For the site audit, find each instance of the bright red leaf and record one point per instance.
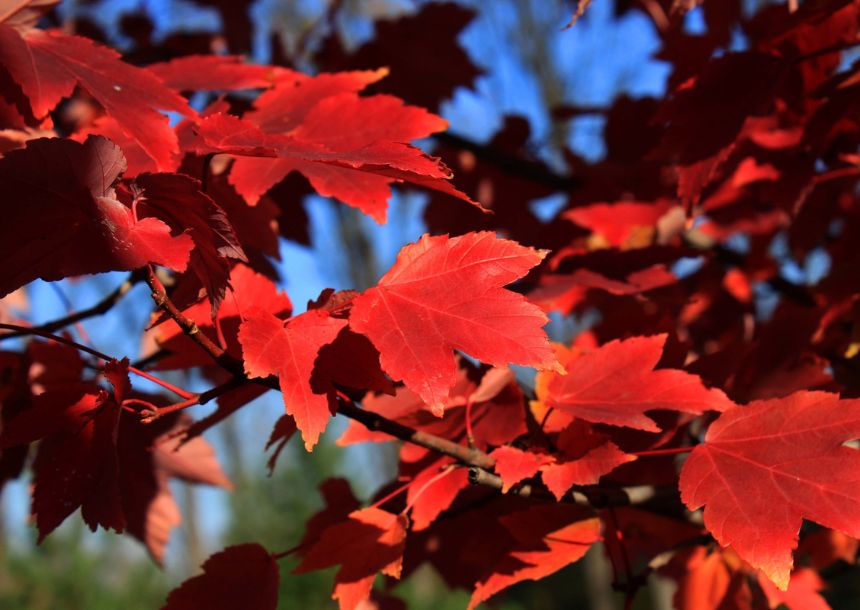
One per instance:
(444, 294)
(765, 467)
(617, 384)
(48, 65)
(270, 347)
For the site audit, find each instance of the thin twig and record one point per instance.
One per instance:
(94, 352)
(98, 309)
(511, 164)
(150, 415)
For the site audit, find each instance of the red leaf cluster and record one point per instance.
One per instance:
(684, 258)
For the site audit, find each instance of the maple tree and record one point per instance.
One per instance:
(690, 432)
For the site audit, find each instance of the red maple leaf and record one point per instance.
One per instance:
(545, 538)
(369, 541)
(349, 147)
(617, 384)
(270, 347)
(242, 576)
(48, 65)
(444, 294)
(66, 219)
(179, 201)
(216, 73)
(765, 467)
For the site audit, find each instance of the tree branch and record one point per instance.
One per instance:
(508, 163)
(100, 308)
(479, 461)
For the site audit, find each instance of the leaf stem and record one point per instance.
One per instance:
(391, 495)
(94, 352)
(437, 477)
(148, 416)
(657, 452)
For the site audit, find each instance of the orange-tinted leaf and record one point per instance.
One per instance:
(515, 465)
(547, 538)
(369, 541)
(802, 594)
(585, 457)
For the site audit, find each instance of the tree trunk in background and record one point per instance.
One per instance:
(194, 554)
(598, 579)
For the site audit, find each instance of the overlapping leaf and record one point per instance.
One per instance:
(444, 294)
(369, 541)
(617, 384)
(48, 65)
(765, 467)
(241, 576)
(62, 218)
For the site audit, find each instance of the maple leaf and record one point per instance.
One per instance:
(178, 201)
(433, 490)
(76, 464)
(48, 65)
(546, 538)
(584, 457)
(270, 347)
(349, 147)
(564, 292)
(515, 465)
(494, 407)
(719, 579)
(215, 73)
(241, 576)
(706, 115)
(618, 223)
(398, 43)
(617, 384)
(66, 219)
(250, 290)
(444, 294)
(765, 467)
(149, 457)
(369, 541)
